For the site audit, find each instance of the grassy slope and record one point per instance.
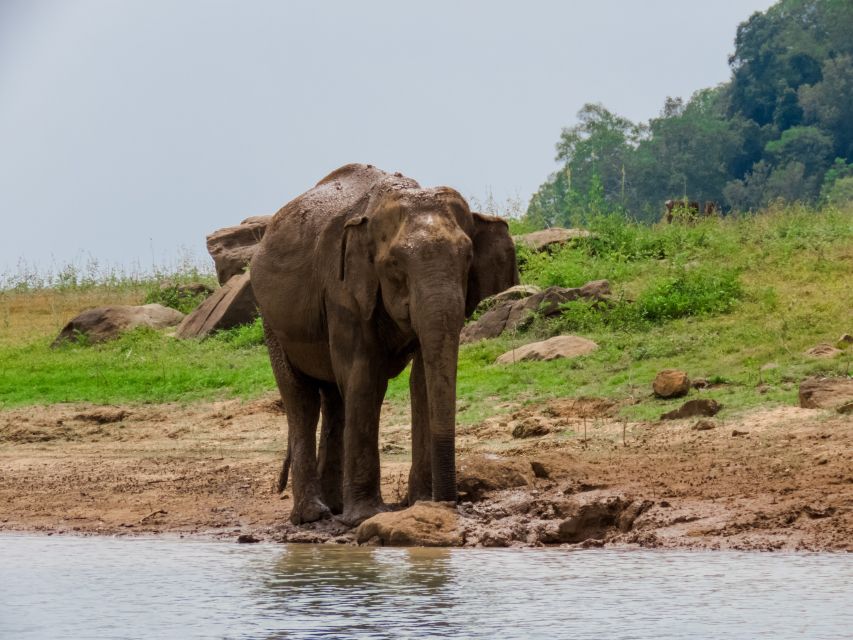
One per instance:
(794, 268)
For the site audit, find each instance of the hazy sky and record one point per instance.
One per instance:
(132, 128)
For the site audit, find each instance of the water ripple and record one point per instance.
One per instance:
(52, 587)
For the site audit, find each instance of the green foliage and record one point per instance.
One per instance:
(718, 299)
(172, 295)
(768, 134)
(688, 292)
(244, 336)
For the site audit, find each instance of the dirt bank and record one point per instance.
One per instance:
(780, 478)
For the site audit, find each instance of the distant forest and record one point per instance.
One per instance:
(780, 128)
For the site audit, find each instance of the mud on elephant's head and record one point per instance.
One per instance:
(422, 252)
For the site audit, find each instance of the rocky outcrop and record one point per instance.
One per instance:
(514, 314)
(548, 239)
(671, 383)
(106, 323)
(478, 474)
(595, 518)
(693, 408)
(233, 247)
(231, 305)
(826, 393)
(426, 524)
(823, 350)
(550, 349)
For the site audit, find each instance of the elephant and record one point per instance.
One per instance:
(356, 278)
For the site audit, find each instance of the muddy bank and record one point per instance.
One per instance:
(779, 478)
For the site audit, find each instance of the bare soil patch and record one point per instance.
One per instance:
(784, 481)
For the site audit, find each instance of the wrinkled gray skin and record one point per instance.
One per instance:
(356, 278)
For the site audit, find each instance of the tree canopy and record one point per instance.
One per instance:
(781, 127)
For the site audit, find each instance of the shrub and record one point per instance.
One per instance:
(174, 296)
(688, 292)
(244, 336)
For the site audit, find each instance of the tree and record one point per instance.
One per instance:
(829, 103)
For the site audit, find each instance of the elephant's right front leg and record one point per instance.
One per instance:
(362, 493)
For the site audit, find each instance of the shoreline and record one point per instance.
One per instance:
(774, 479)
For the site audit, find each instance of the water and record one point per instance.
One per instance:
(57, 587)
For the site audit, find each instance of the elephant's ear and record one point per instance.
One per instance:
(356, 269)
(494, 268)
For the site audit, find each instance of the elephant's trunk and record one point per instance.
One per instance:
(438, 332)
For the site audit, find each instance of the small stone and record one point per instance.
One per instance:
(823, 350)
(691, 408)
(247, 538)
(539, 470)
(671, 383)
(700, 383)
(704, 425)
(530, 428)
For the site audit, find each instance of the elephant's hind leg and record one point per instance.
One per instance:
(331, 453)
(301, 399)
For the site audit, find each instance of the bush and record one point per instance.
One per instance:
(174, 296)
(244, 336)
(688, 292)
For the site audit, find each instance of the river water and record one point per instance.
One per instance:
(66, 587)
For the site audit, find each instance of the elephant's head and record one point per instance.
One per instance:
(424, 259)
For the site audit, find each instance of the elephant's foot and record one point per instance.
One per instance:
(309, 510)
(357, 512)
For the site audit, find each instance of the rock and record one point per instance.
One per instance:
(551, 349)
(700, 383)
(671, 383)
(704, 425)
(490, 325)
(233, 247)
(247, 538)
(231, 305)
(426, 524)
(518, 292)
(540, 470)
(598, 517)
(106, 323)
(692, 408)
(188, 289)
(826, 393)
(478, 474)
(103, 415)
(548, 239)
(823, 350)
(510, 315)
(530, 428)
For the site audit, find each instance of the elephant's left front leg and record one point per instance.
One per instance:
(365, 389)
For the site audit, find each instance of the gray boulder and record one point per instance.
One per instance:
(231, 305)
(550, 349)
(107, 323)
(548, 239)
(514, 314)
(233, 247)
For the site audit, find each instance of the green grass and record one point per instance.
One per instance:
(718, 299)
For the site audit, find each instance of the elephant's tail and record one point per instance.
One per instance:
(285, 471)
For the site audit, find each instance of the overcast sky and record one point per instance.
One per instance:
(132, 128)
